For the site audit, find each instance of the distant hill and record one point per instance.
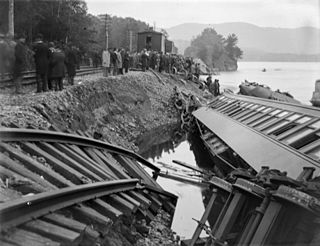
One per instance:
(301, 43)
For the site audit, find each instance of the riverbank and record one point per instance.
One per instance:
(114, 109)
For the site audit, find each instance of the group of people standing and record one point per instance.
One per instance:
(50, 60)
(115, 61)
(213, 86)
(159, 61)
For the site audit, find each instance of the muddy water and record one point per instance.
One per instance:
(161, 147)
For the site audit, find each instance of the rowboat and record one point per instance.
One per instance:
(257, 90)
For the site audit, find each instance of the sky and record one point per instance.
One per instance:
(168, 13)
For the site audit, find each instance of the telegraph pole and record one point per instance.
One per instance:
(130, 41)
(107, 32)
(11, 18)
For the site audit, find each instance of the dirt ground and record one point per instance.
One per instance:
(116, 109)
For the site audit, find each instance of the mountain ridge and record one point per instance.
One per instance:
(302, 41)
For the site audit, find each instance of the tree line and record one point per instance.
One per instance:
(215, 50)
(68, 21)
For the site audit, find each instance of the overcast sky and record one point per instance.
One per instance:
(168, 13)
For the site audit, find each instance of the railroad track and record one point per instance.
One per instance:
(29, 77)
(65, 189)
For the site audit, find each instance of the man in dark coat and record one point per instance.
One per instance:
(126, 61)
(20, 63)
(161, 64)
(114, 61)
(71, 63)
(57, 71)
(144, 60)
(41, 58)
(216, 88)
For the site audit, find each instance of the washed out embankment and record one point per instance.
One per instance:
(114, 109)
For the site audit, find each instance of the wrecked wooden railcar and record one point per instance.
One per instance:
(269, 156)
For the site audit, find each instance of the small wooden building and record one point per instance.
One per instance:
(151, 40)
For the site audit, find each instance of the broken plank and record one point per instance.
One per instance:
(120, 203)
(115, 166)
(130, 199)
(52, 231)
(89, 236)
(34, 166)
(168, 206)
(65, 222)
(143, 172)
(79, 158)
(91, 216)
(133, 169)
(79, 151)
(106, 165)
(96, 162)
(67, 160)
(105, 208)
(23, 237)
(20, 183)
(150, 216)
(140, 197)
(66, 171)
(156, 204)
(92, 153)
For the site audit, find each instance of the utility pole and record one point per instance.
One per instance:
(11, 18)
(107, 32)
(130, 41)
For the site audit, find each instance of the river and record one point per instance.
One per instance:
(297, 78)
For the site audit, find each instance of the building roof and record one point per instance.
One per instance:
(151, 32)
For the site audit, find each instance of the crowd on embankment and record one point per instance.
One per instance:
(54, 61)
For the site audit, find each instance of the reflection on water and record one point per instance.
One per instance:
(189, 206)
(163, 139)
(163, 146)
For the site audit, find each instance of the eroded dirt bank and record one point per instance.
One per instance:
(114, 109)
(119, 108)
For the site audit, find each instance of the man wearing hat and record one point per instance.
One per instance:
(41, 59)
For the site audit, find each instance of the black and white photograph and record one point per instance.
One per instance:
(160, 122)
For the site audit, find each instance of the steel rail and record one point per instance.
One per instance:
(34, 71)
(297, 108)
(19, 211)
(16, 134)
(164, 192)
(30, 76)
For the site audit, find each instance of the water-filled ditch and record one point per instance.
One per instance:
(161, 147)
